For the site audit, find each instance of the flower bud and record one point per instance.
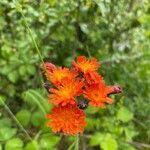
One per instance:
(47, 86)
(82, 104)
(116, 89)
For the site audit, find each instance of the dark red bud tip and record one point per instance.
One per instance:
(49, 67)
(116, 89)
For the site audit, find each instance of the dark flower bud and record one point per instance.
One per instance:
(82, 103)
(47, 86)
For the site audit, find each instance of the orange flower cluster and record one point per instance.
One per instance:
(68, 85)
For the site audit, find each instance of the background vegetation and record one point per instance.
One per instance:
(116, 32)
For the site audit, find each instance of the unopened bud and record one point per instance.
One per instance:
(47, 86)
(116, 89)
(82, 103)
(49, 67)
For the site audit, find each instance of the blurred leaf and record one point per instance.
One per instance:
(126, 146)
(5, 122)
(52, 2)
(15, 143)
(13, 76)
(84, 28)
(38, 119)
(124, 114)
(106, 141)
(96, 139)
(48, 141)
(130, 133)
(109, 143)
(31, 69)
(32, 146)
(22, 70)
(23, 116)
(6, 133)
(6, 51)
(145, 19)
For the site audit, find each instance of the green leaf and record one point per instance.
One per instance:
(18, 6)
(22, 70)
(5, 122)
(126, 146)
(145, 19)
(124, 114)
(13, 76)
(109, 143)
(31, 69)
(6, 133)
(38, 119)
(6, 51)
(105, 141)
(48, 141)
(52, 2)
(84, 28)
(24, 117)
(130, 133)
(96, 139)
(32, 146)
(15, 143)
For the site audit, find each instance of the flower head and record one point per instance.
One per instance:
(68, 119)
(93, 78)
(60, 74)
(66, 92)
(97, 94)
(86, 65)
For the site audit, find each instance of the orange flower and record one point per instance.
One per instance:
(93, 78)
(66, 92)
(68, 119)
(86, 65)
(97, 94)
(59, 74)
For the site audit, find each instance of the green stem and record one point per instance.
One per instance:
(77, 142)
(89, 54)
(28, 28)
(18, 6)
(15, 119)
(37, 135)
(71, 146)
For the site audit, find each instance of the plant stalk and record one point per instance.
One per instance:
(77, 142)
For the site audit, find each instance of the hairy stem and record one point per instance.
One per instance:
(15, 119)
(18, 6)
(77, 142)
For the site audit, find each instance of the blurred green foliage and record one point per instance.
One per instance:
(116, 32)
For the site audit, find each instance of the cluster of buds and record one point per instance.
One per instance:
(71, 90)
